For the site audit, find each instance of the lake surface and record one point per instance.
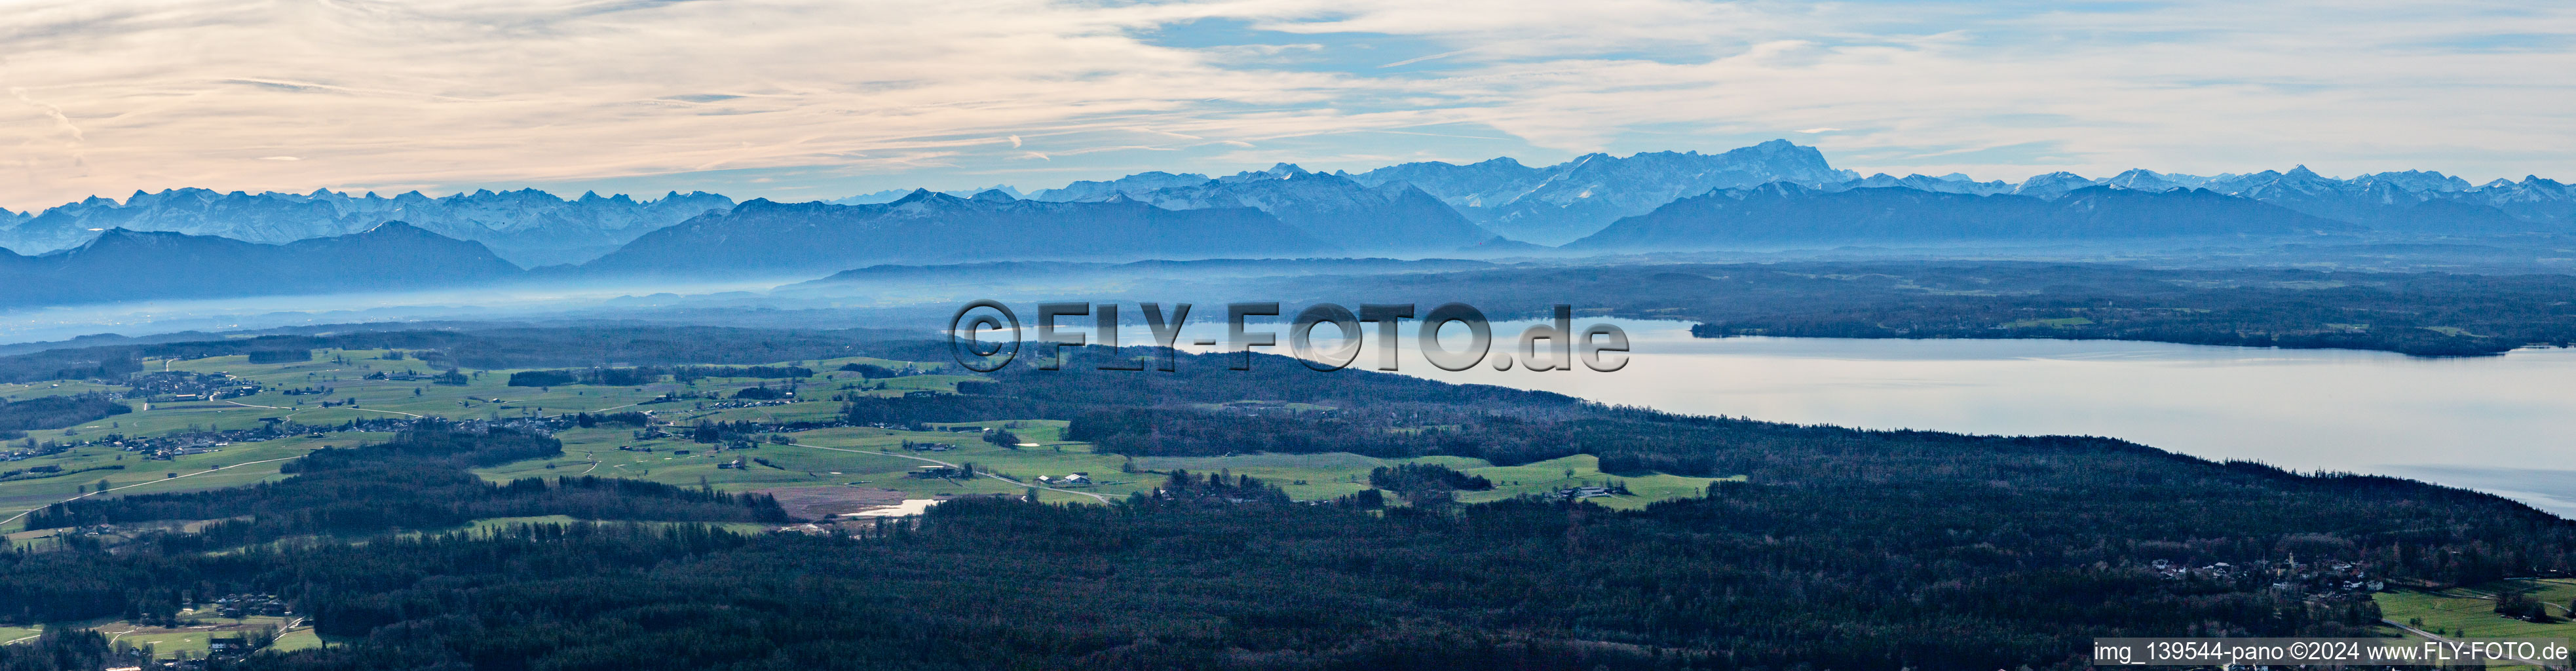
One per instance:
(2504, 424)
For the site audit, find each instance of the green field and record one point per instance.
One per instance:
(487, 396)
(821, 458)
(231, 466)
(192, 639)
(299, 639)
(836, 457)
(1553, 474)
(875, 458)
(21, 392)
(2472, 609)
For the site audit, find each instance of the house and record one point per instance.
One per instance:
(227, 646)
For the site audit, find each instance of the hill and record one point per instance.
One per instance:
(1562, 202)
(1388, 218)
(526, 226)
(761, 236)
(131, 265)
(1788, 214)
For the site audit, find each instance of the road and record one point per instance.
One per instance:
(300, 411)
(6, 522)
(1095, 497)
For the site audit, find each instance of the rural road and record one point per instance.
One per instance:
(1095, 497)
(139, 484)
(397, 412)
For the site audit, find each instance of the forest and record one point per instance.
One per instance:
(1841, 548)
(508, 346)
(416, 481)
(54, 412)
(2428, 313)
(1217, 575)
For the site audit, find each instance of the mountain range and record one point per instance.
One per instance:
(892, 195)
(2411, 202)
(769, 238)
(1379, 210)
(1558, 203)
(198, 242)
(121, 265)
(1782, 213)
(526, 226)
(1389, 217)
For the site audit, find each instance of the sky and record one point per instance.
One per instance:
(805, 100)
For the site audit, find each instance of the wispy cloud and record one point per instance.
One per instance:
(115, 95)
(1418, 59)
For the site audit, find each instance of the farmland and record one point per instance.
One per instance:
(2470, 611)
(339, 387)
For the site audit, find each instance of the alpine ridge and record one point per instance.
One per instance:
(127, 265)
(769, 238)
(1786, 214)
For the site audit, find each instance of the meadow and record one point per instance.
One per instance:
(2470, 611)
(838, 456)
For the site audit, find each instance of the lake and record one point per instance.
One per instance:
(2504, 424)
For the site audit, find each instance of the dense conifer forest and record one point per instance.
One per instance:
(54, 412)
(2427, 313)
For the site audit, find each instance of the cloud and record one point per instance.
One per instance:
(1418, 59)
(73, 148)
(378, 94)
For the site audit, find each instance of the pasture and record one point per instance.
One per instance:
(2472, 609)
(298, 391)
